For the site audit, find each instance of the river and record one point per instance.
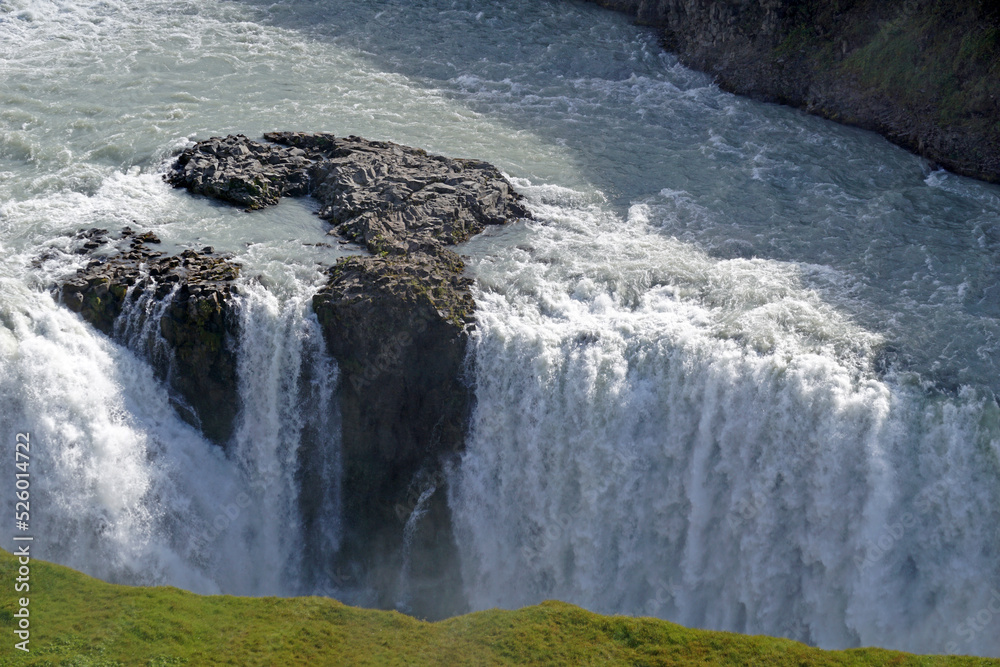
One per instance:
(740, 371)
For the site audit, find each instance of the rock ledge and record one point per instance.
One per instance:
(141, 297)
(397, 322)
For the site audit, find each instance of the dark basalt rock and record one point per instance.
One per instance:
(195, 321)
(240, 171)
(398, 328)
(397, 323)
(400, 200)
(921, 73)
(394, 199)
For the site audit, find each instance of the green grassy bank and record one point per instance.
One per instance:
(81, 621)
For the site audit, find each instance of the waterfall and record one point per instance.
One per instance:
(630, 454)
(409, 530)
(123, 489)
(286, 383)
(740, 372)
(138, 326)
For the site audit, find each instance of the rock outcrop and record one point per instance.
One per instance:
(397, 322)
(242, 172)
(393, 199)
(400, 200)
(398, 329)
(923, 73)
(178, 310)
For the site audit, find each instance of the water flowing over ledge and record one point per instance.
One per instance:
(743, 362)
(133, 494)
(642, 457)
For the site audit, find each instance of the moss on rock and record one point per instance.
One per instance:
(197, 324)
(923, 73)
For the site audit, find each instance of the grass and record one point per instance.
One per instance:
(931, 57)
(80, 621)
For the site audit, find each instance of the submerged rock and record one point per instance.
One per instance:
(191, 340)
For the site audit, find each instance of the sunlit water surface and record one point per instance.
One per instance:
(740, 372)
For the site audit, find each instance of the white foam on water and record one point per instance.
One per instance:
(704, 440)
(739, 372)
(126, 491)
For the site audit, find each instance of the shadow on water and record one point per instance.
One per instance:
(905, 251)
(570, 73)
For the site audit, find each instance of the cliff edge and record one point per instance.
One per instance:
(397, 321)
(923, 73)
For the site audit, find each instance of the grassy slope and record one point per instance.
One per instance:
(78, 620)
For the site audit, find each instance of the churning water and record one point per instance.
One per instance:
(740, 372)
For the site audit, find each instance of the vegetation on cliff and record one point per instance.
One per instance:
(193, 316)
(80, 621)
(924, 73)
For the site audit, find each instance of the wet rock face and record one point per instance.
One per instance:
(398, 330)
(397, 323)
(189, 298)
(242, 172)
(841, 61)
(394, 199)
(398, 200)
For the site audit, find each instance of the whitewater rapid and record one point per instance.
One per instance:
(740, 372)
(712, 444)
(127, 491)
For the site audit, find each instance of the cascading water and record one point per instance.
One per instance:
(741, 372)
(707, 441)
(138, 327)
(286, 383)
(409, 530)
(129, 492)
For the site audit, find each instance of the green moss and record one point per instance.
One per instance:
(206, 309)
(94, 303)
(945, 60)
(77, 620)
(797, 39)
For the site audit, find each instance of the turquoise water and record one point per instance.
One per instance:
(740, 372)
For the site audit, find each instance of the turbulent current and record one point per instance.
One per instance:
(739, 372)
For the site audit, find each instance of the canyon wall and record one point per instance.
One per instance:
(923, 73)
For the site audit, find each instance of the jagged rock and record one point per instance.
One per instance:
(241, 171)
(396, 322)
(397, 327)
(396, 199)
(196, 322)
